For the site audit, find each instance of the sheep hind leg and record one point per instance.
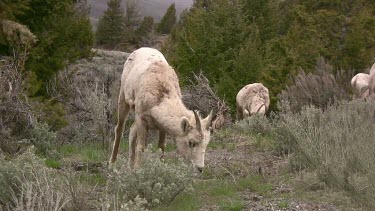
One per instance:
(162, 142)
(141, 140)
(239, 113)
(123, 111)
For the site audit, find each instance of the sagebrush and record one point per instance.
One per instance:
(156, 181)
(321, 88)
(339, 144)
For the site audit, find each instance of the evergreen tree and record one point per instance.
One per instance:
(146, 26)
(111, 25)
(132, 22)
(8, 10)
(239, 42)
(207, 39)
(338, 30)
(63, 35)
(168, 21)
(144, 30)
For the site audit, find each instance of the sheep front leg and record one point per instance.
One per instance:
(162, 142)
(132, 144)
(141, 140)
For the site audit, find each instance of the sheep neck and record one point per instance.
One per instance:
(168, 116)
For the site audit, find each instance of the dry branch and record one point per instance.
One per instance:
(200, 96)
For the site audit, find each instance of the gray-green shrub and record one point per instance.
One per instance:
(339, 144)
(26, 184)
(156, 181)
(115, 202)
(321, 89)
(258, 124)
(42, 138)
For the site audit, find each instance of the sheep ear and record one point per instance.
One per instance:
(185, 125)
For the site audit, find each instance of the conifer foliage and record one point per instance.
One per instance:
(111, 25)
(239, 42)
(62, 29)
(168, 21)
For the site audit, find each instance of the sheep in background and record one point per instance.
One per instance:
(251, 99)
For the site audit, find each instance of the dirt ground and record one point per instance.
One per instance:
(243, 159)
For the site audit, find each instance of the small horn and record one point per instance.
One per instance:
(209, 120)
(260, 107)
(198, 120)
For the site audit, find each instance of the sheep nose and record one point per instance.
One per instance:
(200, 169)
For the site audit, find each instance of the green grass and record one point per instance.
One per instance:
(214, 144)
(232, 204)
(90, 152)
(220, 192)
(68, 149)
(222, 188)
(255, 184)
(283, 205)
(52, 163)
(170, 147)
(124, 145)
(264, 143)
(93, 153)
(93, 179)
(183, 202)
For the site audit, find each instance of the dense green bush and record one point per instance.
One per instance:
(239, 42)
(63, 33)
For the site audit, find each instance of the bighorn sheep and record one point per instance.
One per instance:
(360, 84)
(251, 99)
(364, 84)
(150, 87)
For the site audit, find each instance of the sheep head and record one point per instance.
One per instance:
(195, 137)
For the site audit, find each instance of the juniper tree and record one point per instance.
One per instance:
(111, 26)
(132, 21)
(64, 35)
(168, 21)
(142, 34)
(238, 42)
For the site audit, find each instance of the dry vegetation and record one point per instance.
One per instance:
(320, 89)
(308, 156)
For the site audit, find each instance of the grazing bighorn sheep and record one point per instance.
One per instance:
(251, 99)
(364, 84)
(150, 87)
(360, 84)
